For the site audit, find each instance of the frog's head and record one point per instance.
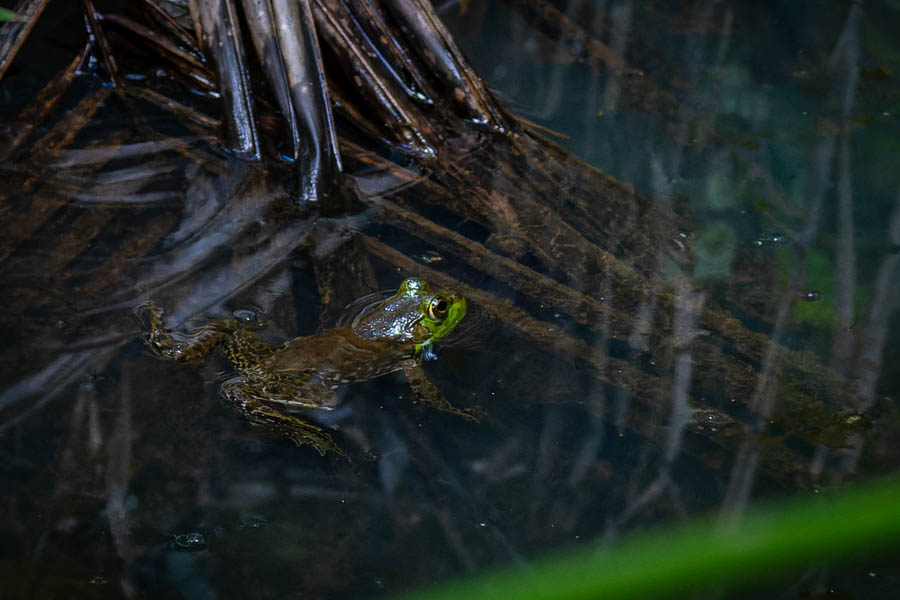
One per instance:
(415, 315)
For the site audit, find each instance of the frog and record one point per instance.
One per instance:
(396, 334)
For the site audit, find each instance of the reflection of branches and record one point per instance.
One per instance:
(688, 304)
(845, 267)
(845, 58)
(873, 336)
(38, 109)
(51, 380)
(24, 223)
(118, 477)
(572, 36)
(597, 401)
(763, 401)
(884, 302)
(445, 481)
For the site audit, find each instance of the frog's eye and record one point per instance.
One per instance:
(437, 309)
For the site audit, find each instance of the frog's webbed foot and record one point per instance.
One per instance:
(291, 426)
(427, 392)
(174, 346)
(153, 321)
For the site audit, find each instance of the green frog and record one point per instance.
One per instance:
(395, 334)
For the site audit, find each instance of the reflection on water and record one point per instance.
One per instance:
(719, 326)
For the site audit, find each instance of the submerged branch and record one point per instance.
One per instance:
(441, 56)
(222, 39)
(39, 108)
(320, 164)
(374, 82)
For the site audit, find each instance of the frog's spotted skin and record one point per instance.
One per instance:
(305, 372)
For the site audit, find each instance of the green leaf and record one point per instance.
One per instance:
(851, 523)
(8, 15)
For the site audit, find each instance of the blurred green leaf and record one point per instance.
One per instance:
(851, 523)
(8, 15)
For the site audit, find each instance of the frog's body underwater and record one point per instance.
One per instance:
(305, 372)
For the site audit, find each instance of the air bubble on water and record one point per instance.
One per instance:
(246, 315)
(189, 541)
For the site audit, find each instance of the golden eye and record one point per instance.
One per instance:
(438, 308)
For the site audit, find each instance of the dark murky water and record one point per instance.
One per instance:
(773, 133)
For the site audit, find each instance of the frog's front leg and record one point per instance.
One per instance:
(258, 410)
(427, 392)
(167, 344)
